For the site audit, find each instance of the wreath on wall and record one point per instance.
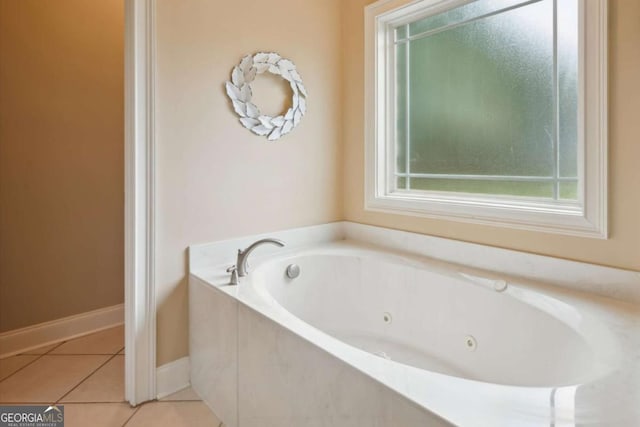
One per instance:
(239, 91)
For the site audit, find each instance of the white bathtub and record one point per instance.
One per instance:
(406, 340)
(441, 320)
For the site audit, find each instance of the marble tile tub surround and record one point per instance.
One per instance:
(600, 280)
(253, 372)
(610, 399)
(213, 345)
(224, 252)
(312, 388)
(461, 401)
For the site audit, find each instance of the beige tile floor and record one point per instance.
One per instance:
(86, 375)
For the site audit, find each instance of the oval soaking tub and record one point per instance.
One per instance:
(371, 336)
(440, 320)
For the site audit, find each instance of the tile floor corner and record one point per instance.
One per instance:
(86, 375)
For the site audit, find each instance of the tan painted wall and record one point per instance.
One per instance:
(622, 249)
(215, 179)
(61, 158)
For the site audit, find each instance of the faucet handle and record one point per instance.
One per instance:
(234, 275)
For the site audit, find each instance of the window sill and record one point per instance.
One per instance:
(566, 219)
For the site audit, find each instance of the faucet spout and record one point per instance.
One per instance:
(243, 255)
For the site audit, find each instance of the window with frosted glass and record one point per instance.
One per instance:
(487, 100)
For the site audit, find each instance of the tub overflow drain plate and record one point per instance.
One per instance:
(293, 271)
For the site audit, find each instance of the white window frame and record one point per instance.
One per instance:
(587, 217)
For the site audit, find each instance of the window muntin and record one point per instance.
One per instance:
(487, 101)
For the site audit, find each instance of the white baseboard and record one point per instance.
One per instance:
(172, 377)
(25, 339)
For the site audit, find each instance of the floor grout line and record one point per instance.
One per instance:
(132, 415)
(85, 378)
(83, 354)
(39, 356)
(65, 403)
(100, 402)
(54, 347)
(164, 401)
(138, 408)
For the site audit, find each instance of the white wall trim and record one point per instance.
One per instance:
(174, 376)
(140, 304)
(586, 218)
(66, 328)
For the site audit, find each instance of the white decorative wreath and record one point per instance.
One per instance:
(239, 91)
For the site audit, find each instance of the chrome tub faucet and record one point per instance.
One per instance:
(241, 268)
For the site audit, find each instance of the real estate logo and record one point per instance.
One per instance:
(32, 416)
